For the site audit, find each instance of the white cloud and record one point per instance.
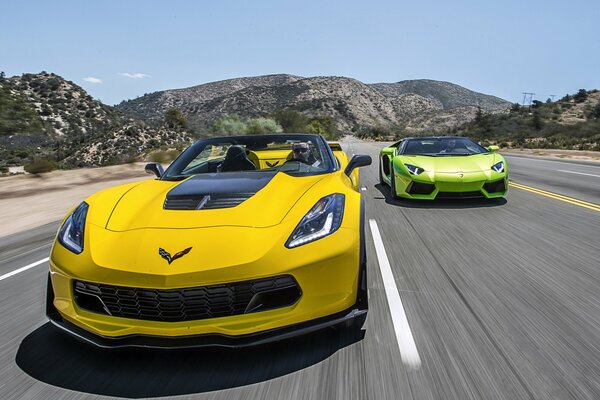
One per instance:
(91, 79)
(134, 75)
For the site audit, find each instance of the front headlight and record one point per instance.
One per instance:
(498, 167)
(413, 169)
(71, 232)
(322, 220)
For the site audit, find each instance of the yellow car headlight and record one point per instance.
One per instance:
(322, 220)
(72, 230)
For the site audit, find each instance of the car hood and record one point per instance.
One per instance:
(472, 163)
(246, 199)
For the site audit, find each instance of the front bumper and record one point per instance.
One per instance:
(455, 185)
(352, 315)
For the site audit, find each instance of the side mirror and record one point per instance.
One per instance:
(155, 168)
(356, 162)
(493, 149)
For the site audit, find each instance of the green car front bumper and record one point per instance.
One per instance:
(483, 184)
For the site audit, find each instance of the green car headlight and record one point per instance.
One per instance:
(72, 230)
(413, 169)
(498, 167)
(322, 220)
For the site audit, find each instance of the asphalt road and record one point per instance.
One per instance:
(502, 300)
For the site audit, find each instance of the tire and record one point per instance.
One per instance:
(393, 184)
(381, 181)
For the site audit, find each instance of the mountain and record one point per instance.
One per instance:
(45, 116)
(445, 94)
(353, 105)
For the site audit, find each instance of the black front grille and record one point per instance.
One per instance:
(420, 188)
(459, 195)
(187, 304)
(495, 187)
(205, 202)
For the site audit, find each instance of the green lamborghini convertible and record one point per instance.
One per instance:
(442, 167)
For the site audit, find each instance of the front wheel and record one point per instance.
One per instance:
(381, 181)
(393, 184)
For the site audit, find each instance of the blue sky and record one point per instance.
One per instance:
(501, 48)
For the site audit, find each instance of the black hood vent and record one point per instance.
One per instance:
(217, 190)
(206, 202)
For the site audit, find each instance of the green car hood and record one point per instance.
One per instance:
(472, 163)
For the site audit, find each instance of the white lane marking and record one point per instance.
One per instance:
(25, 268)
(404, 337)
(578, 173)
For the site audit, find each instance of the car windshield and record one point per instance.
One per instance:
(444, 146)
(294, 154)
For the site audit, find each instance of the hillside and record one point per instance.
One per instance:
(354, 106)
(447, 95)
(572, 122)
(43, 116)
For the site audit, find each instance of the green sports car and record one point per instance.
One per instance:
(442, 167)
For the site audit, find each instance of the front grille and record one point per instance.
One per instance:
(420, 188)
(187, 304)
(205, 202)
(495, 187)
(459, 195)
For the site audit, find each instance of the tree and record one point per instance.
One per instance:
(175, 119)
(258, 126)
(231, 124)
(536, 104)
(580, 96)
(321, 126)
(290, 121)
(516, 107)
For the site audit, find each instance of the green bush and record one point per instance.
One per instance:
(40, 166)
(262, 125)
(229, 125)
(163, 156)
(290, 121)
(175, 119)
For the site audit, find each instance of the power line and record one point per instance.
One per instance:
(528, 98)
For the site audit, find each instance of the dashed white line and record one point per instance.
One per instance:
(578, 173)
(25, 268)
(404, 336)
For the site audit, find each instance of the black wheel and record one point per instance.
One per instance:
(393, 184)
(381, 181)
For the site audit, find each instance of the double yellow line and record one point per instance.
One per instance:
(556, 196)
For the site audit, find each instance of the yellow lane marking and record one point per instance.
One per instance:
(556, 196)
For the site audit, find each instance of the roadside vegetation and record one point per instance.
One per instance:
(572, 122)
(280, 121)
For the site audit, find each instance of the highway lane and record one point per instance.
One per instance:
(501, 297)
(578, 179)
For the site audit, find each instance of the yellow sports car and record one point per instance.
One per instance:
(242, 240)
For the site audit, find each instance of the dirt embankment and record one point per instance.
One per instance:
(27, 201)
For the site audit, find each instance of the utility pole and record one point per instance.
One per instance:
(552, 96)
(528, 98)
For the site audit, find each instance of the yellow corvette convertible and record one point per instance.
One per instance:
(243, 240)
